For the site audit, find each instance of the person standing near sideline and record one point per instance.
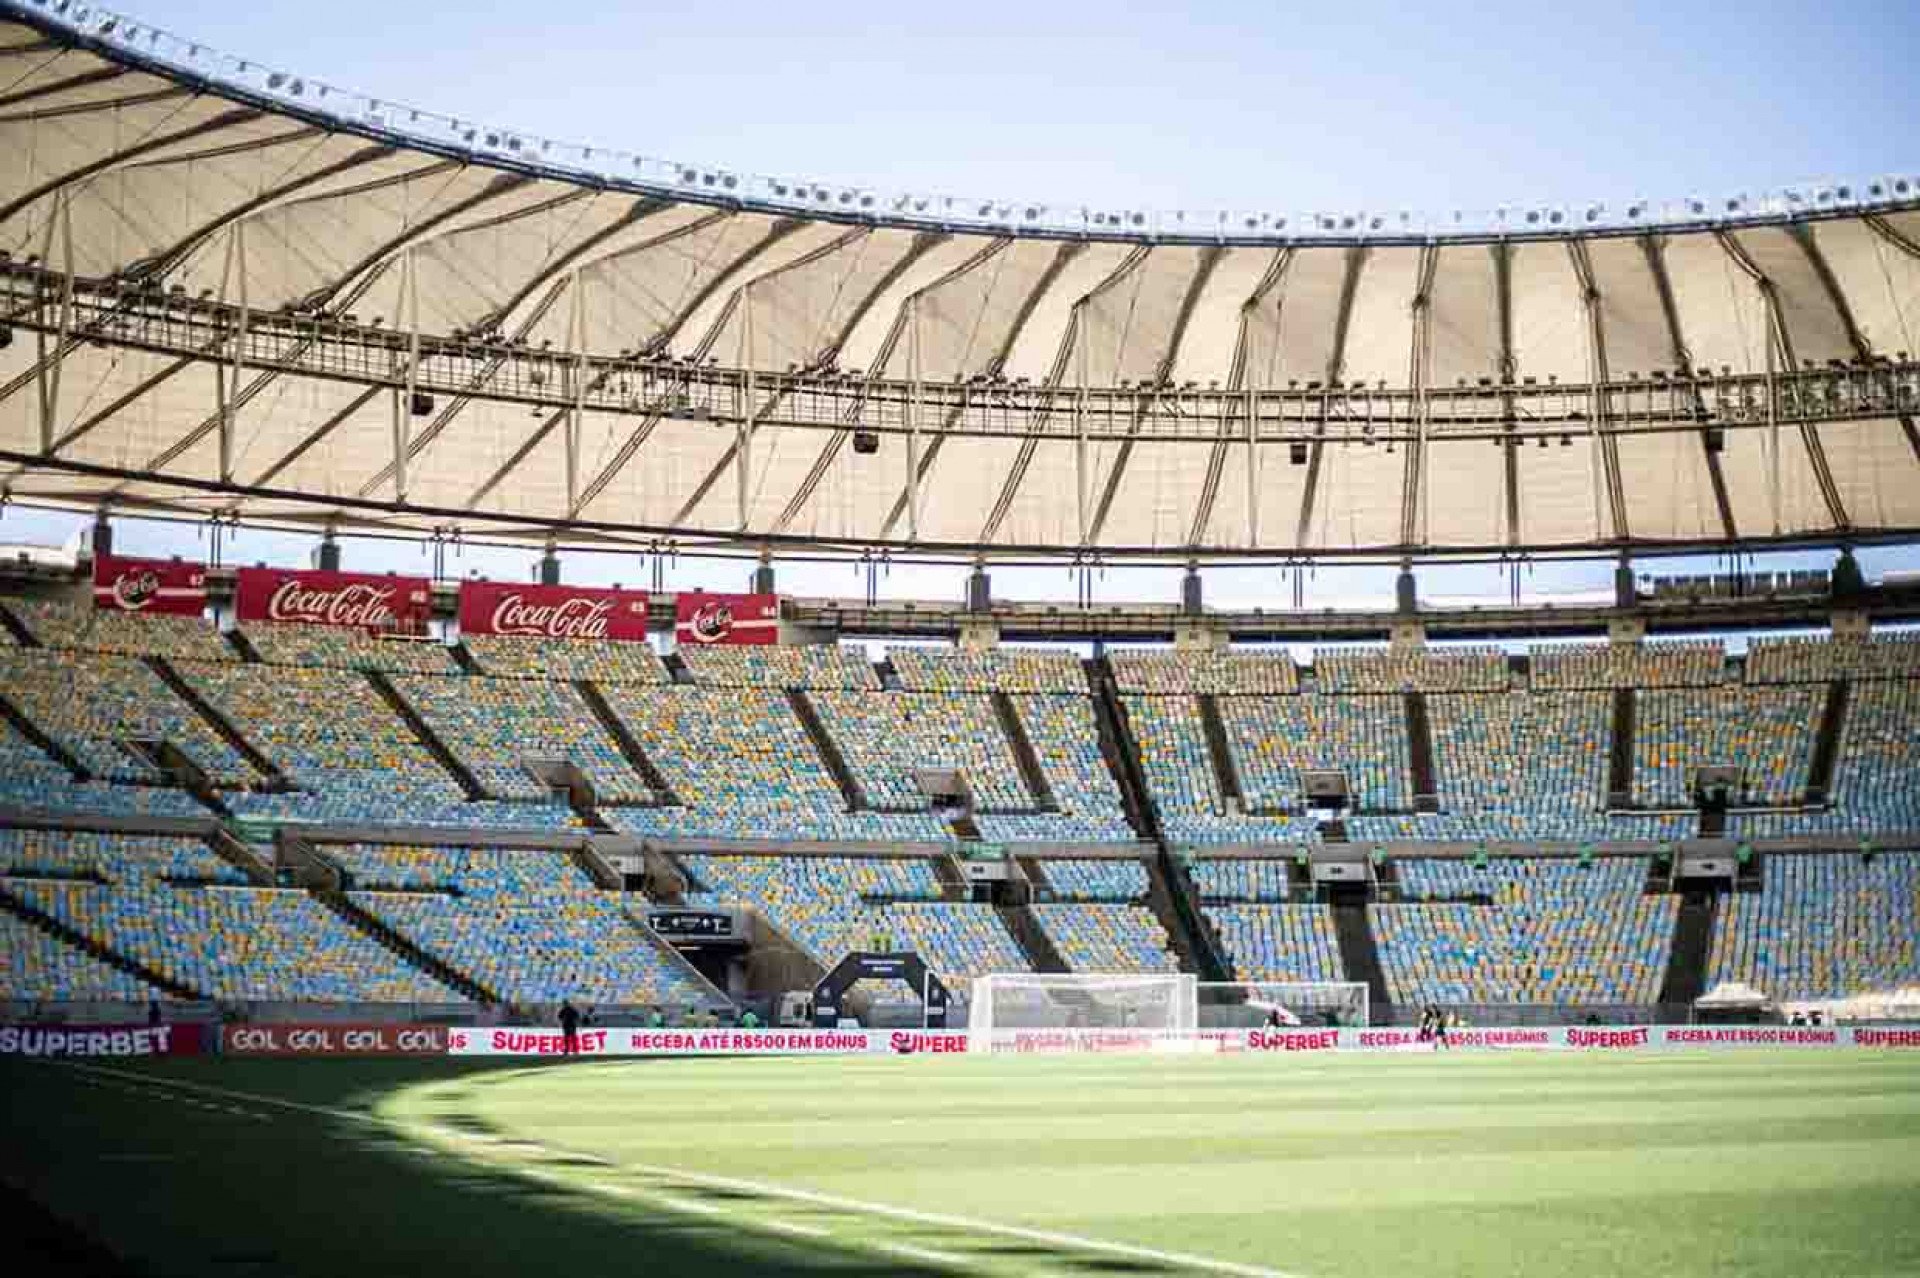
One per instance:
(569, 1028)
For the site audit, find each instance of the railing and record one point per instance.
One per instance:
(140, 42)
(1526, 412)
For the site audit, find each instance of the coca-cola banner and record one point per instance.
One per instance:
(333, 599)
(328, 1038)
(149, 585)
(552, 612)
(103, 1040)
(708, 619)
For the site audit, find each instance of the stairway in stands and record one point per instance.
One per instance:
(1226, 773)
(829, 751)
(81, 941)
(1692, 947)
(1826, 746)
(1620, 752)
(402, 947)
(1117, 748)
(1426, 790)
(1359, 952)
(630, 747)
(427, 737)
(1031, 938)
(1024, 757)
(223, 727)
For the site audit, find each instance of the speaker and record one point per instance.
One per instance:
(421, 404)
(866, 443)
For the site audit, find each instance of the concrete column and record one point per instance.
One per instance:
(1191, 599)
(1848, 581)
(550, 567)
(1406, 597)
(326, 556)
(761, 582)
(102, 535)
(979, 590)
(1624, 594)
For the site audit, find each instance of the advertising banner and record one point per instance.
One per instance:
(702, 619)
(149, 585)
(503, 1041)
(103, 1040)
(552, 612)
(359, 600)
(329, 1038)
(1577, 1038)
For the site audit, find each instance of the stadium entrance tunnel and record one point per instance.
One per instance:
(829, 996)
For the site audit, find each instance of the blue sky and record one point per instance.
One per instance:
(1144, 104)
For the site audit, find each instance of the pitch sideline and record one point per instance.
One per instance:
(854, 1206)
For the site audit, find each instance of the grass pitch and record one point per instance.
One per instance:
(1749, 1163)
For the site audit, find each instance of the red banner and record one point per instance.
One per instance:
(552, 612)
(149, 585)
(103, 1040)
(701, 619)
(333, 1039)
(333, 599)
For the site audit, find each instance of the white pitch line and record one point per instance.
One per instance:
(855, 1206)
(927, 1254)
(795, 1228)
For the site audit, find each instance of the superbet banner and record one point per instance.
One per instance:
(702, 619)
(359, 600)
(149, 585)
(103, 1040)
(504, 1041)
(333, 1039)
(552, 612)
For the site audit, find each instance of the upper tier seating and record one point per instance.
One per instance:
(1279, 942)
(224, 942)
(1662, 664)
(1818, 659)
(1101, 937)
(348, 648)
(1823, 926)
(1242, 879)
(521, 657)
(1174, 761)
(884, 738)
(1066, 741)
(1000, 670)
(812, 666)
(1275, 740)
(1876, 783)
(528, 926)
(1520, 765)
(30, 780)
(80, 625)
(76, 854)
(1095, 879)
(495, 726)
(91, 702)
(332, 734)
(1457, 669)
(1767, 732)
(1157, 673)
(744, 767)
(1557, 932)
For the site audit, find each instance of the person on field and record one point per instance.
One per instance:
(748, 1021)
(656, 1019)
(569, 1028)
(1426, 1025)
(1440, 1030)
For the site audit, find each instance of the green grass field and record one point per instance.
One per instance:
(1749, 1163)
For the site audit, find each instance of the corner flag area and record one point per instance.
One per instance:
(1757, 1163)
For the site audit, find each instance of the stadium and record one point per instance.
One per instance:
(362, 909)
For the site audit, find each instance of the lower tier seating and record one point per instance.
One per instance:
(1555, 931)
(43, 968)
(1279, 942)
(1104, 937)
(1823, 926)
(528, 926)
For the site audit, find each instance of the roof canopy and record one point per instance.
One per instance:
(236, 292)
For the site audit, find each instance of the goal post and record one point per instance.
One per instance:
(1245, 1004)
(1021, 1009)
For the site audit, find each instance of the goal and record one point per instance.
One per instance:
(1243, 1004)
(1026, 1010)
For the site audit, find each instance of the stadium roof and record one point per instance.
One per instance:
(233, 291)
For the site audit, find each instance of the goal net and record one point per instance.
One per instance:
(1034, 1012)
(1244, 1004)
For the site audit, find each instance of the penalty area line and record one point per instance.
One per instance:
(835, 1202)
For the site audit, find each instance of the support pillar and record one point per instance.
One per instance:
(1191, 599)
(102, 535)
(1406, 597)
(979, 590)
(1848, 581)
(326, 556)
(761, 582)
(1624, 594)
(550, 567)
